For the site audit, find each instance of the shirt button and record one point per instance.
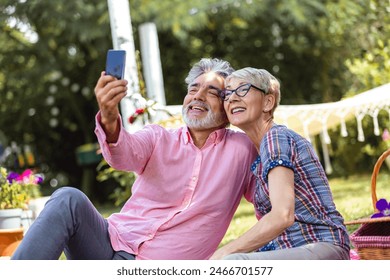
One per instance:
(194, 178)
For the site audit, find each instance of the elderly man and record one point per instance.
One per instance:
(190, 182)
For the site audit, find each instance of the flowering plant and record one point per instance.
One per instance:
(17, 189)
(386, 137)
(138, 112)
(148, 111)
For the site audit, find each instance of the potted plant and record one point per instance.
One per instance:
(15, 192)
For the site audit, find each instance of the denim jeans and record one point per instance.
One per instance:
(68, 223)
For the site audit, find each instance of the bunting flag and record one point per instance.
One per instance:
(313, 119)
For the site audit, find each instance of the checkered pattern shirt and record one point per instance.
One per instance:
(316, 217)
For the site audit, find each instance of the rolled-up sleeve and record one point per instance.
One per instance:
(132, 150)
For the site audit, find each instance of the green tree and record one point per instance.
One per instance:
(369, 68)
(53, 54)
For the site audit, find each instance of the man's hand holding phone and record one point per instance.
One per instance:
(109, 92)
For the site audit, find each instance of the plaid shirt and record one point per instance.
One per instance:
(316, 217)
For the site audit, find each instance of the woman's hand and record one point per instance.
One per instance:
(220, 253)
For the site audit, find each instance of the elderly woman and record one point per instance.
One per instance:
(297, 216)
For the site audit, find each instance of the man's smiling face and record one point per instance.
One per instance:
(202, 106)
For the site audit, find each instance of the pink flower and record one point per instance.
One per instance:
(26, 176)
(386, 135)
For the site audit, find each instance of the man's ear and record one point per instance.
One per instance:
(269, 103)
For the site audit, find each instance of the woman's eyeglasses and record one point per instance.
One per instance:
(241, 91)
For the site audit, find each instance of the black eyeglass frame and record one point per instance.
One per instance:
(226, 97)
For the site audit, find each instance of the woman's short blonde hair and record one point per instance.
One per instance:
(260, 78)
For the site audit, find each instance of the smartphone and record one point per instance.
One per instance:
(115, 63)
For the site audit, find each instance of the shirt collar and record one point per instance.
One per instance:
(215, 137)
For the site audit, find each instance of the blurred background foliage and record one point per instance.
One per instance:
(52, 53)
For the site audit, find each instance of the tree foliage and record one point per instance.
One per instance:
(53, 55)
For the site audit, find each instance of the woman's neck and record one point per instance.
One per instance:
(257, 131)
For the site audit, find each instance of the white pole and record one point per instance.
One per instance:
(151, 62)
(122, 38)
(325, 153)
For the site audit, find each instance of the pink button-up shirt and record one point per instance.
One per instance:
(184, 197)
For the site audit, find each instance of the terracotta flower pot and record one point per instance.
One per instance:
(9, 240)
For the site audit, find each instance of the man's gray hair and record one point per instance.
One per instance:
(205, 65)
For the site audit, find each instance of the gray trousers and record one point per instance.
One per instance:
(68, 223)
(314, 251)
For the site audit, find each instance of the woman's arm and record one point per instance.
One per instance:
(271, 225)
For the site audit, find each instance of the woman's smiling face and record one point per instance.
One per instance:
(243, 111)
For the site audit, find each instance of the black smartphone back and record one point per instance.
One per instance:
(115, 63)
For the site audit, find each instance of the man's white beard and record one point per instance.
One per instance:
(212, 120)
